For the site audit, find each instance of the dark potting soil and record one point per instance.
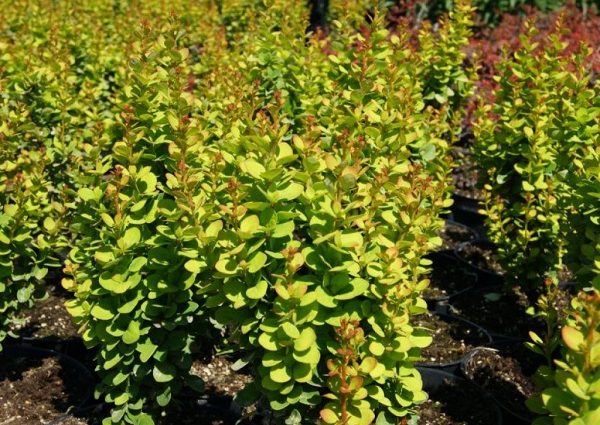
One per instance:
(501, 375)
(37, 390)
(456, 403)
(447, 278)
(480, 256)
(454, 234)
(47, 319)
(211, 408)
(452, 339)
(465, 174)
(502, 310)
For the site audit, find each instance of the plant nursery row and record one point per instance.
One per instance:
(221, 212)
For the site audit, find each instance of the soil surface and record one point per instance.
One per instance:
(501, 310)
(47, 319)
(447, 278)
(465, 174)
(457, 403)
(37, 390)
(452, 339)
(501, 375)
(214, 407)
(453, 234)
(481, 256)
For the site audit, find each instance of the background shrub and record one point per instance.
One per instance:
(135, 269)
(526, 163)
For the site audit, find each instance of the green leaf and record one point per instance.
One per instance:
(291, 192)
(163, 372)
(24, 294)
(250, 225)
(310, 356)
(132, 334)
(257, 262)
(227, 266)
(420, 338)
(146, 349)
(137, 264)
(528, 187)
(113, 283)
(257, 291)
(194, 266)
(132, 237)
(351, 240)
(575, 389)
(305, 340)
(368, 364)
(428, 152)
(290, 330)
(49, 224)
(253, 168)
(302, 372)
(267, 342)
(101, 313)
(376, 348)
(280, 374)
(213, 229)
(283, 230)
(143, 419)
(86, 194)
(107, 219)
(173, 120)
(164, 398)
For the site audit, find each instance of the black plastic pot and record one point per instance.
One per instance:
(514, 417)
(491, 293)
(468, 234)
(77, 369)
(435, 383)
(466, 211)
(72, 347)
(486, 277)
(454, 366)
(446, 260)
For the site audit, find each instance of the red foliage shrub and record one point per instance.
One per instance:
(489, 45)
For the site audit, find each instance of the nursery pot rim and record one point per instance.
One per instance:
(83, 373)
(456, 363)
(502, 406)
(465, 203)
(472, 231)
(448, 255)
(440, 374)
(480, 270)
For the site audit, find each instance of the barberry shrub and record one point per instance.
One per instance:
(583, 228)
(571, 393)
(31, 209)
(448, 79)
(23, 203)
(571, 384)
(143, 227)
(55, 99)
(525, 146)
(327, 203)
